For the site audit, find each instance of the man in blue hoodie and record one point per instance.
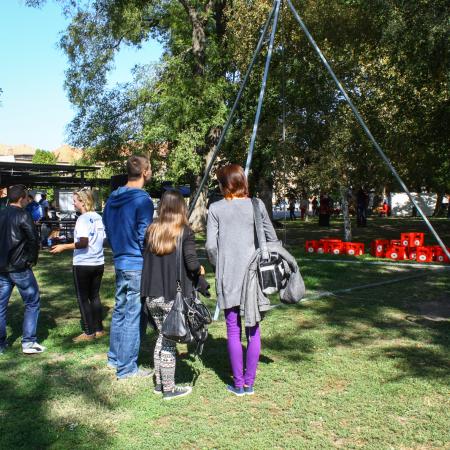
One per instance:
(128, 213)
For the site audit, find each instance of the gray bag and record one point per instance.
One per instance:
(274, 272)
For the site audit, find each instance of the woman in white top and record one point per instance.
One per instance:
(88, 264)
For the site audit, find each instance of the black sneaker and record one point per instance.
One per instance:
(158, 389)
(178, 391)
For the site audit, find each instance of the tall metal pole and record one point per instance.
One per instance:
(263, 89)
(364, 126)
(233, 109)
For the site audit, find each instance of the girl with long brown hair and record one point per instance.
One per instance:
(159, 282)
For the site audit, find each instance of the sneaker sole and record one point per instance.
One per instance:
(178, 396)
(34, 352)
(237, 394)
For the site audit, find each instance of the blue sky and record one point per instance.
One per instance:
(35, 109)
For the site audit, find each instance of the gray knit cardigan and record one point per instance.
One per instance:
(230, 244)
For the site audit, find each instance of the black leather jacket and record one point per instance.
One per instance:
(19, 241)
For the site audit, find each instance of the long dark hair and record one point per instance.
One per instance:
(163, 233)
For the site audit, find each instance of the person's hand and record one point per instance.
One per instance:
(203, 286)
(202, 270)
(57, 249)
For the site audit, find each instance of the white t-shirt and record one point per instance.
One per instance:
(89, 225)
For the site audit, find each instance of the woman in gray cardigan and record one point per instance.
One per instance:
(230, 244)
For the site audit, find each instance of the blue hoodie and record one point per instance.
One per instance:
(128, 213)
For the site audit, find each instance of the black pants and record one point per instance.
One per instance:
(87, 287)
(324, 220)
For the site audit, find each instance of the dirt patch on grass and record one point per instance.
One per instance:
(334, 385)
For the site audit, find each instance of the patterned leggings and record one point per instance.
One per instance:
(165, 349)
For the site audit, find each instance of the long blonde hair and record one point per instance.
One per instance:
(163, 233)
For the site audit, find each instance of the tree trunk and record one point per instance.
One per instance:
(198, 216)
(265, 192)
(438, 207)
(346, 214)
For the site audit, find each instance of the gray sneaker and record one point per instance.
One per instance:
(177, 392)
(31, 348)
(140, 373)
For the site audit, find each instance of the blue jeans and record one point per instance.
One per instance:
(27, 285)
(125, 324)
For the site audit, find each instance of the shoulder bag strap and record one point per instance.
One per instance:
(179, 263)
(260, 230)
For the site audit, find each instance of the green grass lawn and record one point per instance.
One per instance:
(365, 369)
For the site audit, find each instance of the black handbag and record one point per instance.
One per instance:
(271, 271)
(188, 318)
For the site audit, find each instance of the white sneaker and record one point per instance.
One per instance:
(30, 348)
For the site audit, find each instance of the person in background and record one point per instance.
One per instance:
(34, 208)
(304, 204)
(362, 202)
(159, 282)
(292, 209)
(19, 245)
(3, 198)
(315, 205)
(127, 215)
(230, 244)
(88, 264)
(45, 206)
(325, 209)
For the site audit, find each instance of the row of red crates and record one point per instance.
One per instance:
(335, 246)
(382, 248)
(395, 249)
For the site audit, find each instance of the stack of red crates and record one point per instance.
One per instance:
(410, 246)
(334, 247)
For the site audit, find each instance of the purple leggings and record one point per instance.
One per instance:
(233, 321)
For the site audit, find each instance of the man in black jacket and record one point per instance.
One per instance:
(19, 245)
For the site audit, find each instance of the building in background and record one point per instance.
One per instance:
(65, 154)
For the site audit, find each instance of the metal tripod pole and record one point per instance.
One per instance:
(364, 126)
(263, 89)
(233, 109)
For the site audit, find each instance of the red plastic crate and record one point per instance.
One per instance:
(395, 242)
(320, 247)
(439, 255)
(334, 247)
(325, 244)
(354, 248)
(412, 239)
(424, 254)
(396, 252)
(412, 253)
(311, 246)
(378, 248)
